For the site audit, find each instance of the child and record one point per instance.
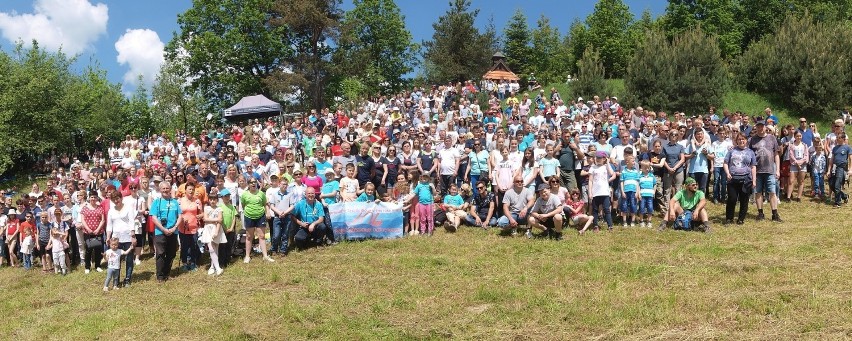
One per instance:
(27, 244)
(629, 190)
(425, 191)
(818, 165)
(349, 185)
(57, 245)
(454, 206)
(575, 206)
(214, 233)
(404, 198)
(600, 175)
(369, 194)
(113, 257)
(647, 188)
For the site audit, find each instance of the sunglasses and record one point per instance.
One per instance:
(519, 181)
(480, 187)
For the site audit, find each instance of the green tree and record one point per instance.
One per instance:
(139, 119)
(576, 41)
(230, 48)
(176, 105)
(590, 76)
(377, 46)
(637, 30)
(609, 33)
(313, 26)
(458, 51)
(648, 81)
(700, 76)
(516, 43)
(716, 17)
(546, 59)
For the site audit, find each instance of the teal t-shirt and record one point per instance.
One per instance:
(455, 200)
(165, 209)
(424, 193)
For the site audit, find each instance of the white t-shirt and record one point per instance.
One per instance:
(120, 223)
(448, 158)
(113, 258)
(599, 180)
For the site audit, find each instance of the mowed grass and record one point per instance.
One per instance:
(757, 281)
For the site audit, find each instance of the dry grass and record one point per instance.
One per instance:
(758, 281)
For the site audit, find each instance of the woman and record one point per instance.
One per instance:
(479, 161)
(797, 153)
(335, 148)
(289, 160)
(380, 169)
(392, 164)
(191, 209)
(120, 224)
(741, 169)
(139, 195)
(253, 203)
(11, 233)
(698, 154)
(528, 170)
(311, 179)
(93, 221)
(408, 158)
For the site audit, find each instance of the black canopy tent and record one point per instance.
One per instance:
(257, 106)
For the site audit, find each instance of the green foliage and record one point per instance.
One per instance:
(353, 91)
(716, 17)
(376, 46)
(458, 51)
(800, 65)
(516, 43)
(547, 59)
(608, 32)
(229, 48)
(576, 42)
(590, 76)
(686, 75)
(176, 105)
(43, 102)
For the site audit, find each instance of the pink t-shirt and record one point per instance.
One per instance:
(313, 181)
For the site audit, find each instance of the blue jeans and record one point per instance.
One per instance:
(766, 183)
(839, 178)
(701, 179)
(112, 276)
(280, 234)
(504, 220)
(470, 220)
(720, 184)
(128, 261)
(473, 180)
(646, 205)
(603, 200)
(628, 203)
(189, 252)
(28, 261)
(819, 183)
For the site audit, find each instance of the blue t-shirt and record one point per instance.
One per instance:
(322, 167)
(308, 213)
(424, 193)
(699, 162)
(168, 209)
(840, 155)
(647, 184)
(548, 166)
(330, 187)
(630, 179)
(365, 198)
(455, 200)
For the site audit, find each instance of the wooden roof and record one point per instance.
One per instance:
(500, 75)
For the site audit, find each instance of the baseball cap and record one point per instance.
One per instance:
(224, 193)
(542, 187)
(689, 181)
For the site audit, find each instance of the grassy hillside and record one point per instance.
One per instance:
(779, 281)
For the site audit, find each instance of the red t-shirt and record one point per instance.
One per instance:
(336, 150)
(92, 217)
(342, 120)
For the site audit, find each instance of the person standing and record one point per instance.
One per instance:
(840, 160)
(740, 167)
(765, 147)
(167, 217)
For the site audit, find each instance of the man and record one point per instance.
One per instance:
(309, 219)
(321, 163)
(346, 158)
(166, 213)
(546, 213)
(516, 203)
(807, 133)
(569, 154)
(482, 207)
(280, 206)
(690, 199)
(205, 178)
(840, 160)
(765, 147)
(448, 164)
(675, 159)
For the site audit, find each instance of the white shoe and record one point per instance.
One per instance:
(87, 271)
(106, 289)
(247, 259)
(98, 269)
(137, 262)
(211, 271)
(219, 272)
(269, 259)
(632, 224)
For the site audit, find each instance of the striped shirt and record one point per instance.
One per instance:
(646, 185)
(630, 179)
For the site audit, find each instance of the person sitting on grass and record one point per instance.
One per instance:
(454, 206)
(575, 208)
(309, 220)
(689, 204)
(482, 211)
(515, 207)
(546, 213)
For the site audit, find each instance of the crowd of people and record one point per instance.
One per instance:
(532, 165)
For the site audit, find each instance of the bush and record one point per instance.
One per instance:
(590, 76)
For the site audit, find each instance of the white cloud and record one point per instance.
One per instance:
(142, 51)
(73, 25)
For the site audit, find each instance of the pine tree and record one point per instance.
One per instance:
(590, 76)
(458, 51)
(608, 32)
(516, 46)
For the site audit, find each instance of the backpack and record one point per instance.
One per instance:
(684, 221)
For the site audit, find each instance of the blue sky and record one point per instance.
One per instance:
(126, 37)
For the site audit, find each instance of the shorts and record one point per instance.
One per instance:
(765, 182)
(249, 223)
(42, 249)
(140, 239)
(785, 169)
(798, 169)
